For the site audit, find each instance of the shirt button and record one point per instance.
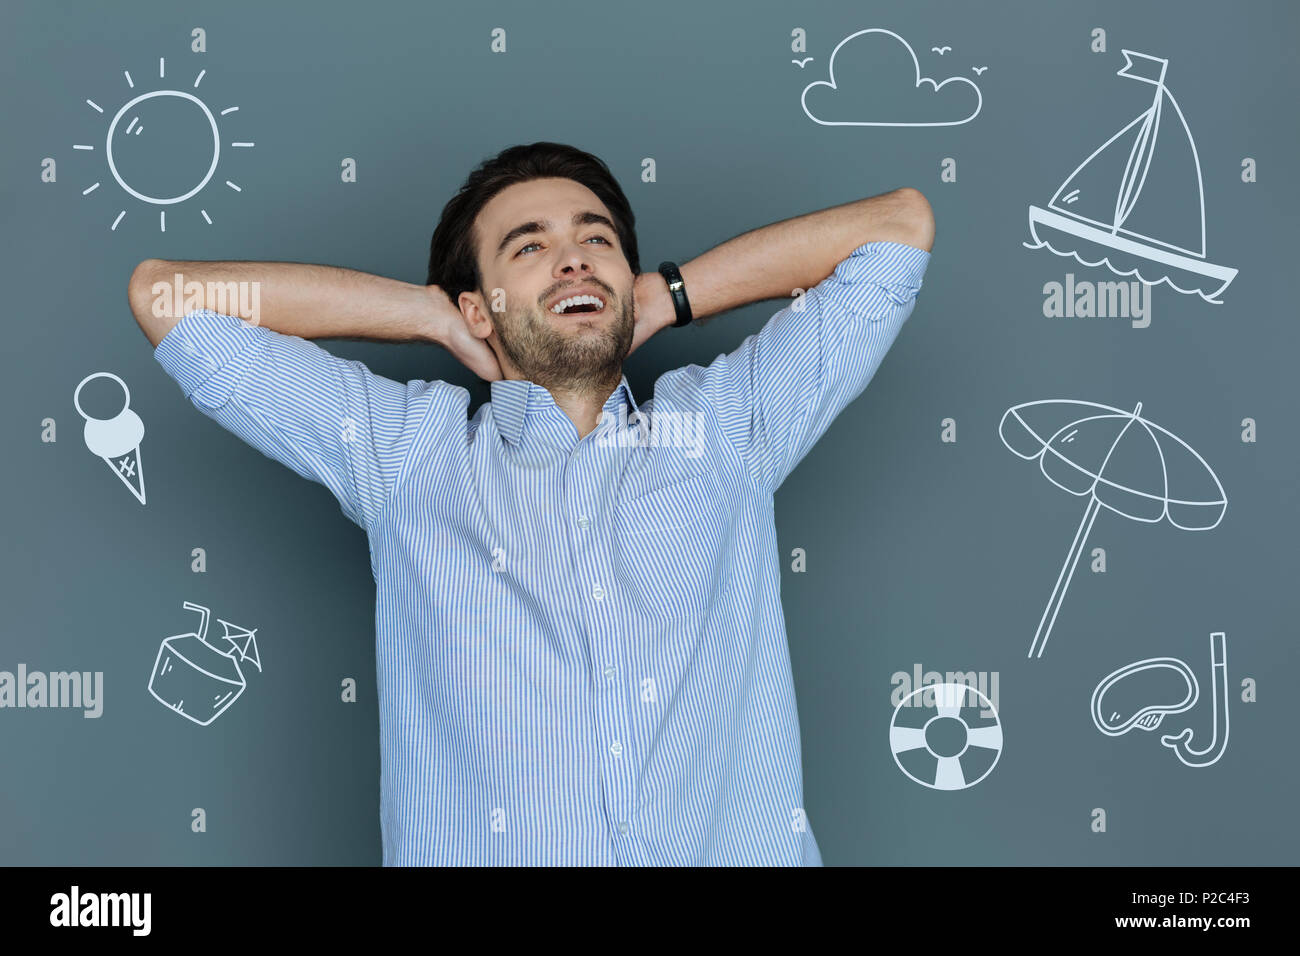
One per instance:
(616, 748)
(584, 522)
(622, 826)
(597, 592)
(609, 673)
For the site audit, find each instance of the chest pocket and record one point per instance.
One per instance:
(673, 532)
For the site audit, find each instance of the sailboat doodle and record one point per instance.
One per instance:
(1097, 211)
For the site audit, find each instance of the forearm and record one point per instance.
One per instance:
(775, 260)
(310, 301)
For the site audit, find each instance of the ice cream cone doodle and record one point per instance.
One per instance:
(116, 439)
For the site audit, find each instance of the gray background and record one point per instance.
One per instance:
(918, 551)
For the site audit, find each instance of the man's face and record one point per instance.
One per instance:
(541, 243)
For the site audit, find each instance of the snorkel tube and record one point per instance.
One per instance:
(1181, 743)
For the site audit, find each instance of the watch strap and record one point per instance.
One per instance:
(677, 287)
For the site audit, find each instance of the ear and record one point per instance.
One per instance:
(474, 308)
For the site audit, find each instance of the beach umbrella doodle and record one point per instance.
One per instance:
(1117, 460)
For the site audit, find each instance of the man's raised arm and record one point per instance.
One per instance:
(771, 262)
(859, 267)
(310, 301)
(235, 337)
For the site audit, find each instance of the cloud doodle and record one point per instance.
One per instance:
(882, 50)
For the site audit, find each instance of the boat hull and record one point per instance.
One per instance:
(1092, 246)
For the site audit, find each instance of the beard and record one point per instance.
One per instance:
(582, 359)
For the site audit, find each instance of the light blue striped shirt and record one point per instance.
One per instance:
(581, 652)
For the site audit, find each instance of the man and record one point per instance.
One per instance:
(580, 645)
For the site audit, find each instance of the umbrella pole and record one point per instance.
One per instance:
(1063, 579)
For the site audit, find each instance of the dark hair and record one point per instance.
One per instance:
(453, 253)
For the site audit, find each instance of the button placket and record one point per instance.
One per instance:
(582, 494)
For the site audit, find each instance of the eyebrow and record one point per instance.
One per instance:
(584, 218)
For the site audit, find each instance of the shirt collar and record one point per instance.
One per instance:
(516, 400)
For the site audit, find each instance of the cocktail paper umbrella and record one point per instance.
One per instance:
(1119, 461)
(242, 641)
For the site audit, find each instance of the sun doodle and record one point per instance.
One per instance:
(163, 146)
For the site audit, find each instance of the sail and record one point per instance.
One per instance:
(1090, 191)
(1166, 206)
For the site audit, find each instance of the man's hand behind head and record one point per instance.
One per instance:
(654, 307)
(453, 334)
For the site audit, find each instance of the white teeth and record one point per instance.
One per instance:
(563, 304)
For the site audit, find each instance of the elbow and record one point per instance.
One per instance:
(140, 288)
(918, 217)
(140, 296)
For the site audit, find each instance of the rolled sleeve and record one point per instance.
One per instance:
(777, 393)
(329, 419)
(200, 344)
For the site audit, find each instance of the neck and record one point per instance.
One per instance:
(582, 402)
(583, 405)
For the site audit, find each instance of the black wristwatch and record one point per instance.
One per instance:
(677, 287)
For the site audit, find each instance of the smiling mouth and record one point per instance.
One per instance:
(579, 305)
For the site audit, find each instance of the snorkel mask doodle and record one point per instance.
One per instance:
(1142, 694)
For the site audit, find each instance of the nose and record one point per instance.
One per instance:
(573, 259)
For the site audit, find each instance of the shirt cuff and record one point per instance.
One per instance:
(876, 279)
(885, 262)
(201, 344)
